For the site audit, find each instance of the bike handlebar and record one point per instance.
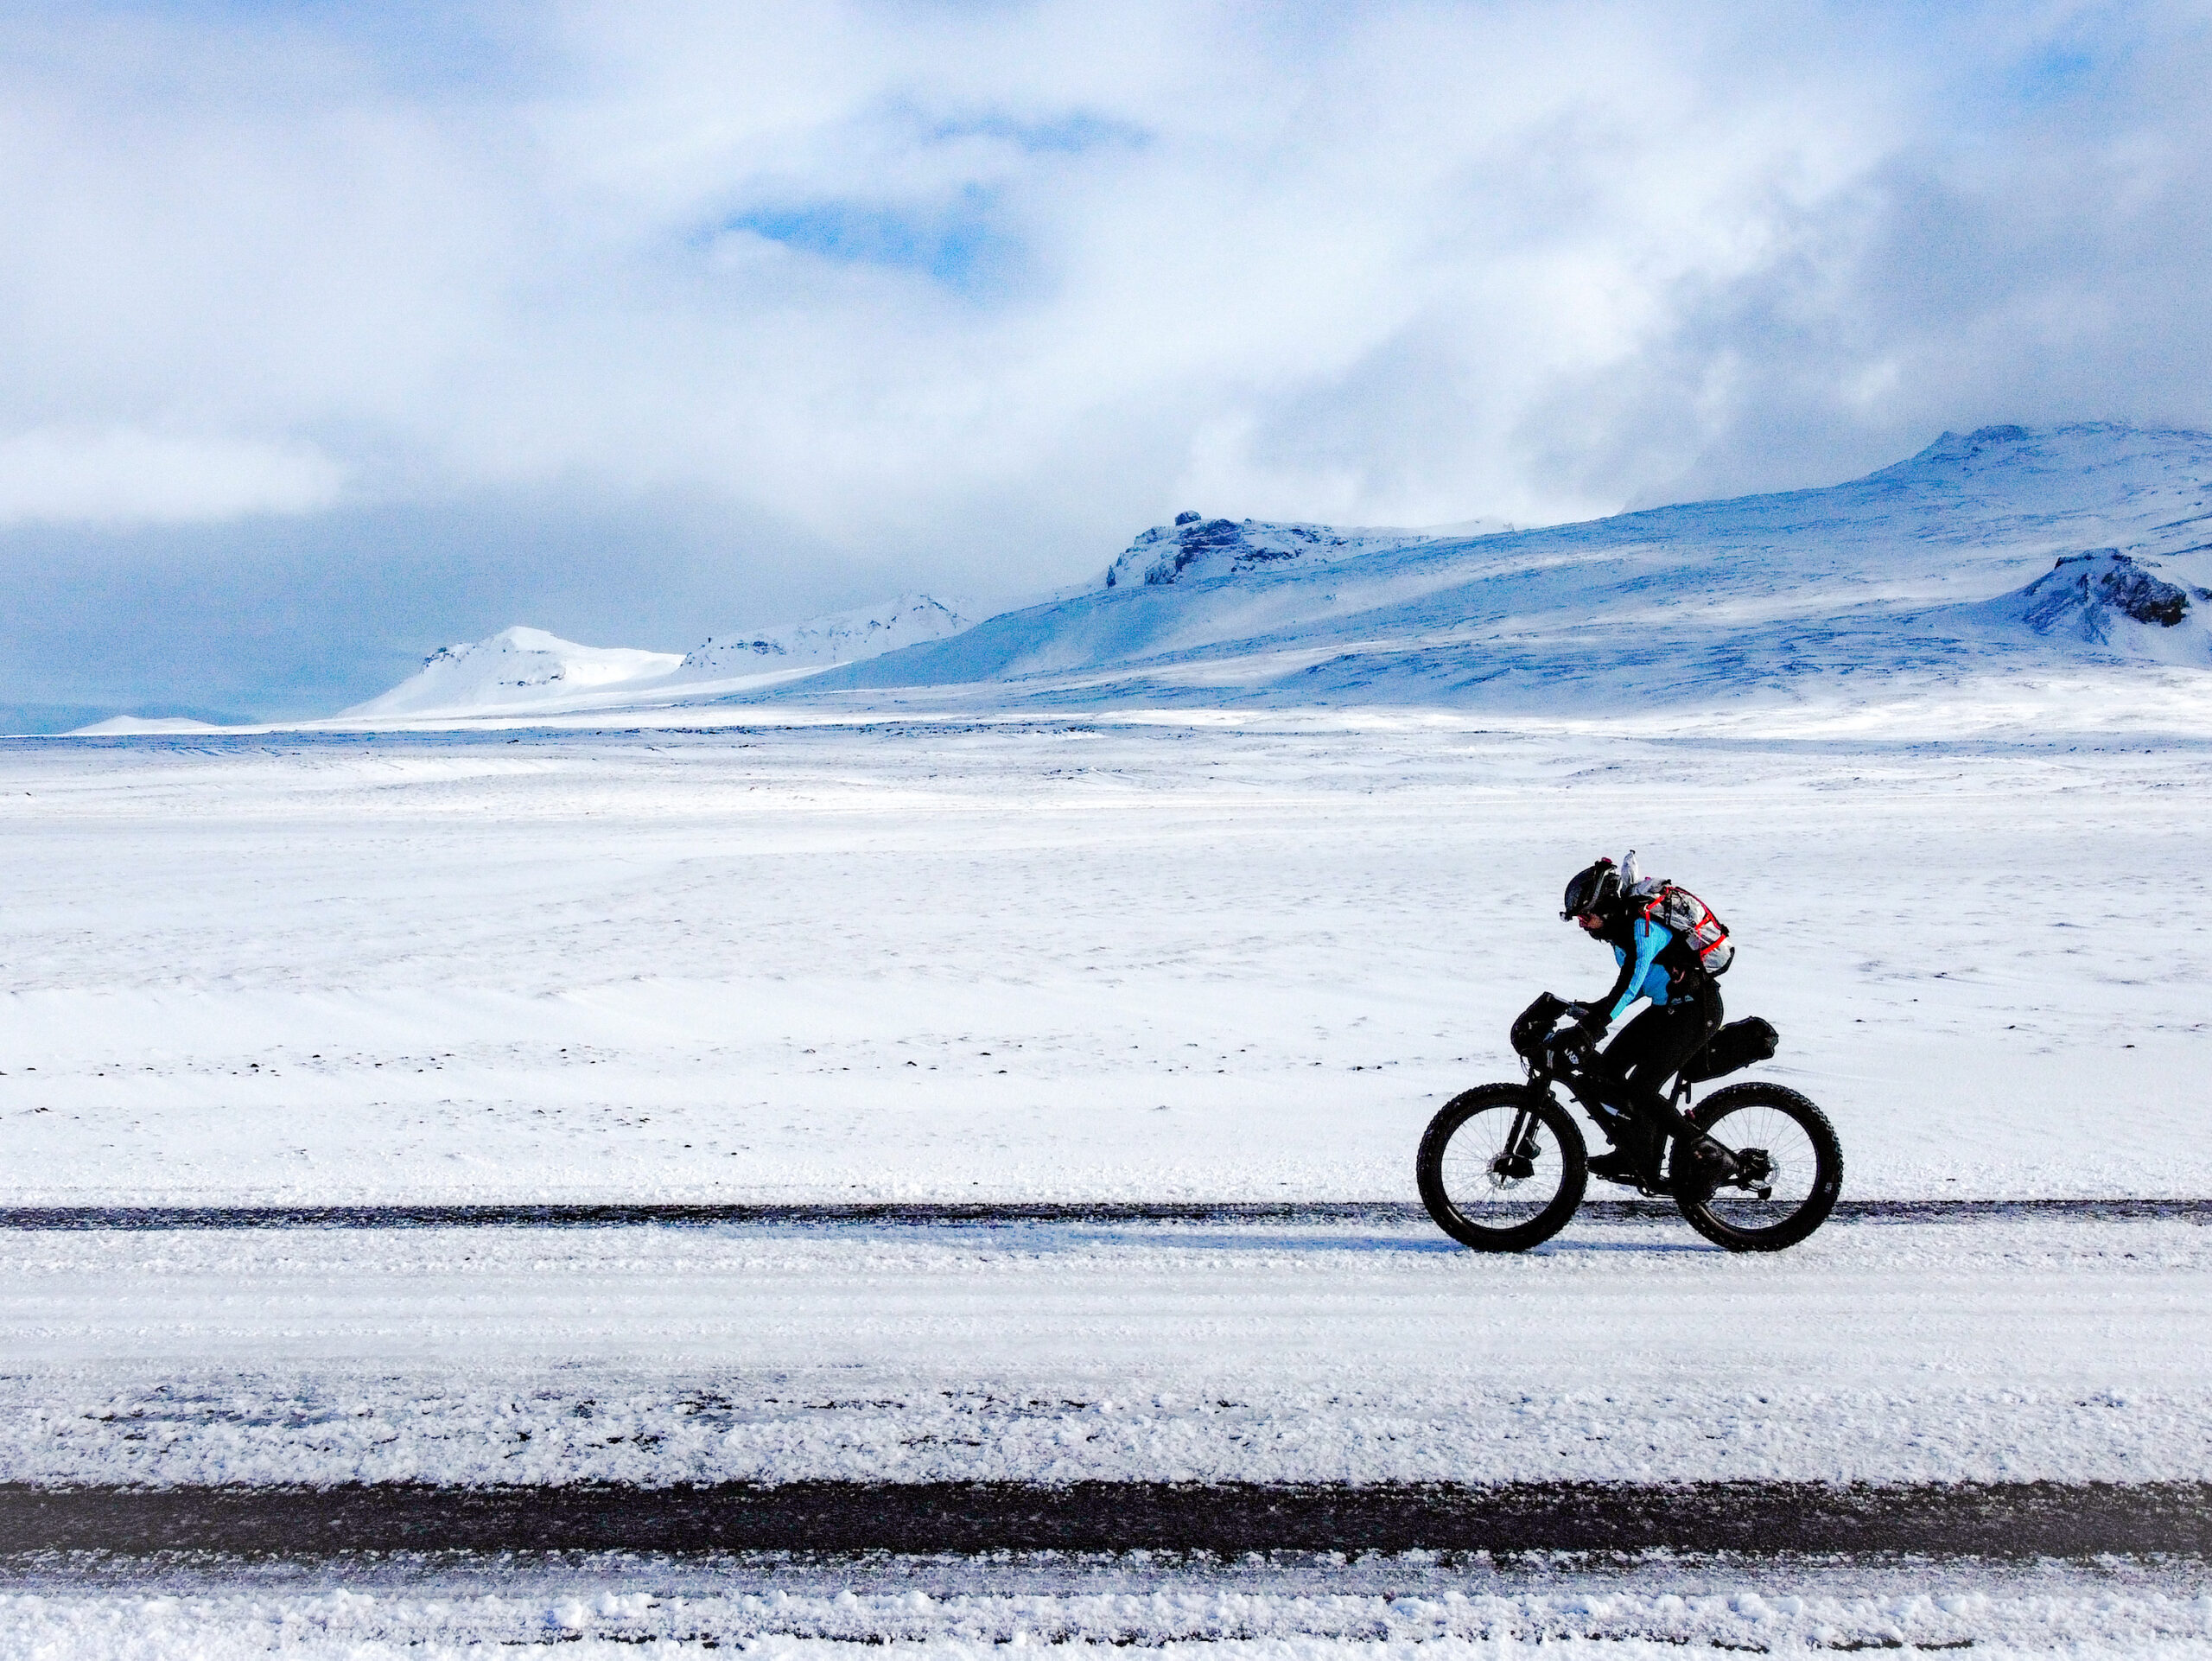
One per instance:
(1534, 1040)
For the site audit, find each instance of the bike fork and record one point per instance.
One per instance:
(1520, 1143)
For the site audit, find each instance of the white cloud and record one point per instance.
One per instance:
(123, 477)
(966, 293)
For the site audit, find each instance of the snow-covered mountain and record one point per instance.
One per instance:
(516, 668)
(842, 637)
(2005, 550)
(1924, 567)
(527, 671)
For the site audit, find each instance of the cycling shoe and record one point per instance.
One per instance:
(1621, 1166)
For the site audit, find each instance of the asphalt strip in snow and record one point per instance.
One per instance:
(912, 1214)
(2001, 1520)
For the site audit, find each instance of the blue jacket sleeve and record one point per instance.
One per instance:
(1650, 939)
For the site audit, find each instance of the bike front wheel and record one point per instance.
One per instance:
(1792, 1169)
(1502, 1167)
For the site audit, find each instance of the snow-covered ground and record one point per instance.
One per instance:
(1145, 956)
(1151, 958)
(1998, 1350)
(1379, 1609)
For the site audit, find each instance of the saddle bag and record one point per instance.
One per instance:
(1736, 1045)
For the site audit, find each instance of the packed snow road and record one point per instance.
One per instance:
(1996, 1350)
(1385, 1608)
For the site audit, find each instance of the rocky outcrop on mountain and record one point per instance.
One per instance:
(1195, 548)
(2088, 594)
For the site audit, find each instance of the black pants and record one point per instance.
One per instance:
(1651, 1047)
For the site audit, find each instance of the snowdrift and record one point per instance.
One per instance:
(1920, 568)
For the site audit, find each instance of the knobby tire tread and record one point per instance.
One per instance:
(1828, 1154)
(1428, 1167)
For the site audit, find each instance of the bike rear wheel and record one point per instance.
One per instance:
(1794, 1170)
(1502, 1167)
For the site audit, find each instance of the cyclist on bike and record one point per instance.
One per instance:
(1655, 963)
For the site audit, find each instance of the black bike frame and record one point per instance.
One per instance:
(1544, 1013)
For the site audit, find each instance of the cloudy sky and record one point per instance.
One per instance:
(333, 332)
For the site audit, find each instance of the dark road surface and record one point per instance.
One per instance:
(900, 1214)
(2018, 1520)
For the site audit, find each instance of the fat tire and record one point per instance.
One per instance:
(1827, 1178)
(1428, 1167)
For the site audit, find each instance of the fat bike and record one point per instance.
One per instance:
(1502, 1166)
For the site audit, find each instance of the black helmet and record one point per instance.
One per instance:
(1596, 890)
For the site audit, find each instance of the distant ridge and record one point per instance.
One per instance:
(842, 637)
(1902, 571)
(2002, 551)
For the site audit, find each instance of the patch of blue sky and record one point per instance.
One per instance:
(2076, 66)
(2056, 72)
(1067, 134)
(957, 244)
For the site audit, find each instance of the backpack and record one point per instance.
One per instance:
(1675, 909)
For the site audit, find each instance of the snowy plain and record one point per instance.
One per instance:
(1212, 956)
(1206, 957)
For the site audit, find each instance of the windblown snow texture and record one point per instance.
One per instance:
(1296, 1606)
(1905, 571)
